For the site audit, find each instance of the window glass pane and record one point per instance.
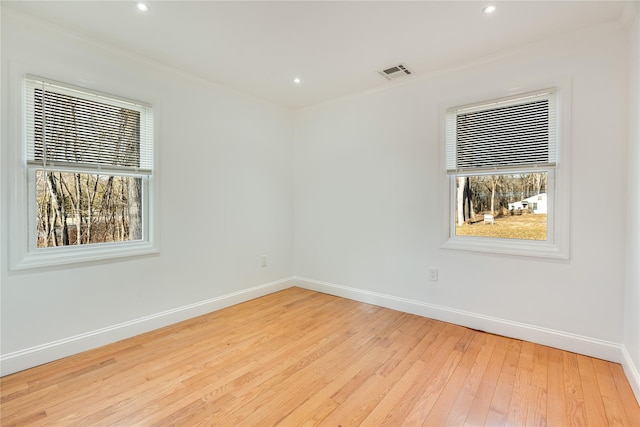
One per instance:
(83, 208)
(506, 206)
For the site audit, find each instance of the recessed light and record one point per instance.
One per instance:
(297, 81)
(489, 9)
(142, 7)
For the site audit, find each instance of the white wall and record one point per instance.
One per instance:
(369, 194)
(226, 195)
(632, 294)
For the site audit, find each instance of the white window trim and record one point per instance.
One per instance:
(21, 253)
(557, 244)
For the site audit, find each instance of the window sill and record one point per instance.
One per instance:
(526, 248)
(48, 257)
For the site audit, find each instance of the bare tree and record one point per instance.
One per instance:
(464, 200)
(91, 190)
(469, 211)
(59, 204)
(135, 208)
(493, 185)
(460, 199)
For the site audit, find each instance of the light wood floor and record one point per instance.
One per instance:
(298, 357)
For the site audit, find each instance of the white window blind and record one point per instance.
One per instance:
(73, 128)
(510, 133)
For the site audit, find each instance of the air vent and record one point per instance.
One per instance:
(395, 72)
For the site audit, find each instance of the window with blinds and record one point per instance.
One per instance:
(501, 158)
(89, 157)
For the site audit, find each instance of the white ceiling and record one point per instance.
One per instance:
(335, 47)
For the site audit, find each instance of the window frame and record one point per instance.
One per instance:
(558, 188)
(24, 253)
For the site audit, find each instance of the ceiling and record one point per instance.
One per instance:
(334, 47)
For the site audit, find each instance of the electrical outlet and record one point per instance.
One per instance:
(433, 274)
(263, 261)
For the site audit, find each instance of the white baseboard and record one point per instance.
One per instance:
(553, 338)
(631, 370)
(34, 356)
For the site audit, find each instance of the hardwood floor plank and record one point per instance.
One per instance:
(29, 419)
(406, 373)
(537, 409)
(442, 358)
(302, 358)
(410, 339)
(556, 399)
(11, 413)
(482, 398)
(519, 405)
(307, 381)
(499, 408)
(443, 405)
(355, 413)
(593, 404)
(410, 380)
(352, 411)
(462, 405)
(573, 391)
(625, 392)
(358, 410)
(314, 418)
(320, 404)
(614, 406)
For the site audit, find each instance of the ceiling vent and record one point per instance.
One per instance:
(395, 72)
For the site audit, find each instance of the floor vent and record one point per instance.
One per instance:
(395, 72)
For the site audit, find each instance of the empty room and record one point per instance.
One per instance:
(334, 213)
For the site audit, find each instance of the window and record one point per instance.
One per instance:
(502, 165)
(89, 168)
